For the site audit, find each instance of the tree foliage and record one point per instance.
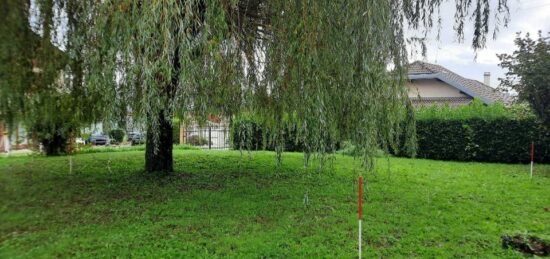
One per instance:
(493, 139)
(476, 109)
(333, 68)
(40, 82)
(529, 73)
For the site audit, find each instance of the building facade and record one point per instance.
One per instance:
(4, 141)
(18, 139)
(431, 84)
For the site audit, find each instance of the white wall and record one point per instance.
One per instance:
(432, 88)
(4, 144)
(21, 134)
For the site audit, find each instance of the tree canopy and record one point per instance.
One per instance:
(40, 83)
(334, 68)
(529, 73)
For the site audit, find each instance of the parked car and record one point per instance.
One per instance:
(136, 138)
(131, 135)
(99, 139)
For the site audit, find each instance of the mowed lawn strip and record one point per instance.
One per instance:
(233, 204)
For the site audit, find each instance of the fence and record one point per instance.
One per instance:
(211, 136)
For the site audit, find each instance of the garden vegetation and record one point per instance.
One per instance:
(336, 68)
(244, 205)
(485, 133)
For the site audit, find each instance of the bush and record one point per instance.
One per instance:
(481, 133)
(117, 135)
(349, 149)
(88, 149)
(197, 140)
(476, 109)
(246, 133)
(85, 136)
(497, 140)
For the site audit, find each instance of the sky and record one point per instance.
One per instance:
(526, 16)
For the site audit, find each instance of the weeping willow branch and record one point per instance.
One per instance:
(333, 69)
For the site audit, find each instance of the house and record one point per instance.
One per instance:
(431, 84)
(4, 142)
(17, 140)
(18, 136)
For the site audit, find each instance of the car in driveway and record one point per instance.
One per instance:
(131, 135)
(99, 139)
(136, 138)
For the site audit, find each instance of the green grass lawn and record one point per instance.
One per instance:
(228, 204)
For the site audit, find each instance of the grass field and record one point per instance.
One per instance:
(228, 204)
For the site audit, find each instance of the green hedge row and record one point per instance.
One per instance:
(475, 132)
(505, 140)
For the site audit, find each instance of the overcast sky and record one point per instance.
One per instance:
(526, 16)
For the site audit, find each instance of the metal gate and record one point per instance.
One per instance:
(211, 136)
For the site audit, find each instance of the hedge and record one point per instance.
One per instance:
(477, 132)
(505, 140)
(117, 135)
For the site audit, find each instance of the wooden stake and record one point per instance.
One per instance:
(360, 211)
(70, 164)
(532, 157)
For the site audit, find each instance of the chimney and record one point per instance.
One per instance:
(487, 78)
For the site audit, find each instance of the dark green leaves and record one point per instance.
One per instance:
(529, 73)
(334, 69)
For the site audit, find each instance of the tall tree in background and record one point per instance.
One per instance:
(529, 73)
(333, 68)
(40, 71)
(17, 47)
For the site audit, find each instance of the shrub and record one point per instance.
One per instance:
(349, 149)
(481, 133)
(476, 109)
(86, 135)
(246, 133)
(86, 149)
(197, 140)
(117, 135)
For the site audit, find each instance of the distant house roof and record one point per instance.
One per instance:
(473, 88)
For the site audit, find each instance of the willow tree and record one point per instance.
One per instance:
(40, 73)
(333, 68)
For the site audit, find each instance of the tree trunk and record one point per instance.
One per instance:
(158, 155)
(54, 146)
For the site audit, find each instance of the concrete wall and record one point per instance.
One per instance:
(432, 88)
